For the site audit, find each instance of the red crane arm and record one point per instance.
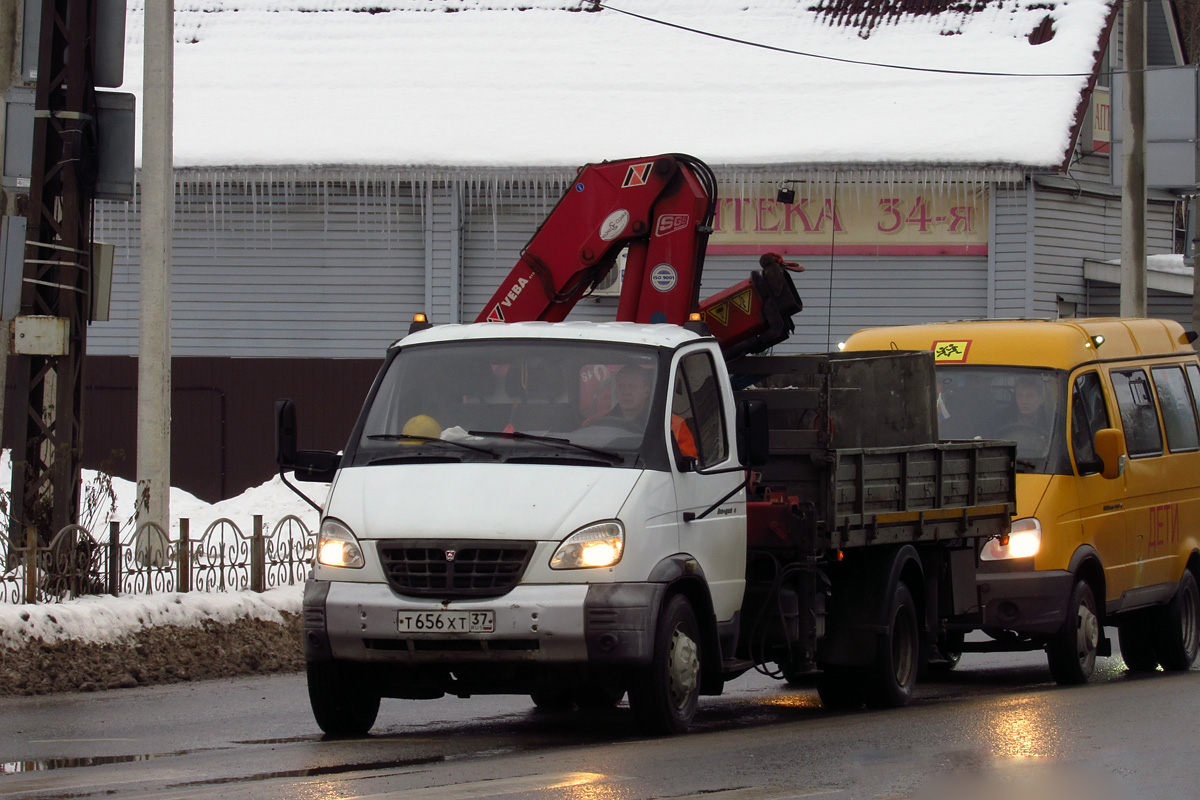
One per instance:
(661, 208)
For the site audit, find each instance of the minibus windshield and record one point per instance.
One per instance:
(1019, 404)
(510, 399)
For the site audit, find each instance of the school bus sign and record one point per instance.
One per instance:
(875, 220)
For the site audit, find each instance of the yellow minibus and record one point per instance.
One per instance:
(1104, 415)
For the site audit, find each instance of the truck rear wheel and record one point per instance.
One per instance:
(1072, 651)
(892, 678)
(342, 701)
(1135, 634)
(1177, 626)
(665, 692)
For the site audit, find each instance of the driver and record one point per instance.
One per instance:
(633, 400)
(1029, 402)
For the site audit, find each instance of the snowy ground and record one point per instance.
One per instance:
(110, 631)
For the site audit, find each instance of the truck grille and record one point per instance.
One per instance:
(446, 568)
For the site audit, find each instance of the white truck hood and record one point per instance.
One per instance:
(506, 501)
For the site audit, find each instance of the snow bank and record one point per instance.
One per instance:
(111, 619)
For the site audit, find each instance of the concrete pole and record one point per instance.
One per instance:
(158, 207)
(1133, 192)
(11, 27)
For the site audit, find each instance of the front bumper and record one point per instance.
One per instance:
(562, 624)
(1025, 602)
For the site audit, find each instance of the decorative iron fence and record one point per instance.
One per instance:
(147, 561)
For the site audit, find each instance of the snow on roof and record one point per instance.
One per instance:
(529, 83)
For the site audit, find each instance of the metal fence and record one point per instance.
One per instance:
(146, 561)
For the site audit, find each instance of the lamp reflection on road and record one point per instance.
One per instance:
(1023, 728)
(589, 786)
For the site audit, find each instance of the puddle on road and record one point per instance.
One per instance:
(315, 772)
(44, 764)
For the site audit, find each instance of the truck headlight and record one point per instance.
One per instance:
(1023, 541)
(338, 547)
(597, 545)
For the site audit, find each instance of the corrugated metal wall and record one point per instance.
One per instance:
(1070, 227)
(1011, 251)
(277, 267)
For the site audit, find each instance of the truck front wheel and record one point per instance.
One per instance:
(342, 701)
(893, 676)
(665, 692)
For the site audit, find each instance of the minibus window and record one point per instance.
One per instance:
(1088, 415)
(1178, 414)
(1138, 416)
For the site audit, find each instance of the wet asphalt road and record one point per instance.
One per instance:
(995, 728)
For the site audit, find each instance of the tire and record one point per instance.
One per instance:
(1177, 626)
(342, 701)
(892, 678)
(1135, 634)
(1071, 652)
(665, 692)
(841, 688)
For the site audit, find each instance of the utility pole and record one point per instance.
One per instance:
(57, 285)
(11, 21)
(1133, 190)
(158, 208)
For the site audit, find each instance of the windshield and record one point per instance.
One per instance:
(512, 400)
(1020, 404)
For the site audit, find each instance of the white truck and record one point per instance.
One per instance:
(508, 516)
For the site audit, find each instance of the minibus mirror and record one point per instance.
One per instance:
(1110, 447)
(753, 434)
(285, 433)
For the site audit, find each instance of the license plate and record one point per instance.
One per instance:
(446, 621)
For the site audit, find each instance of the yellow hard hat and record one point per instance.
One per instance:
(422, 425)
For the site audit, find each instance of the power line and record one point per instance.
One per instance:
(908, 68)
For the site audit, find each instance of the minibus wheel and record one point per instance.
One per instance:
(1177, 626)
(343, 702)
(664, 693)
(1072, 651)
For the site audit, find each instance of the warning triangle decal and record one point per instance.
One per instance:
(720, 313)
(742, 300)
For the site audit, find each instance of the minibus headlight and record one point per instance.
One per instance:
(338, 547)
(598, 545)
(1023, 541)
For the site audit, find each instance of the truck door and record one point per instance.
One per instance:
(698, 425)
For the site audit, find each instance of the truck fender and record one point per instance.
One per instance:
(683, 575)
(861, 592)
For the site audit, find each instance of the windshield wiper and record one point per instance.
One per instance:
(411, 437)
(1027, 464)
(554, 440)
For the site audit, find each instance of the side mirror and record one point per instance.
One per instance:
(285, 433)
(1110, 447)
(753, 434)
(318, 466)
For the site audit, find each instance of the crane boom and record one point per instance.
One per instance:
(661, 208)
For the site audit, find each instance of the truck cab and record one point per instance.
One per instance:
(508, 516)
